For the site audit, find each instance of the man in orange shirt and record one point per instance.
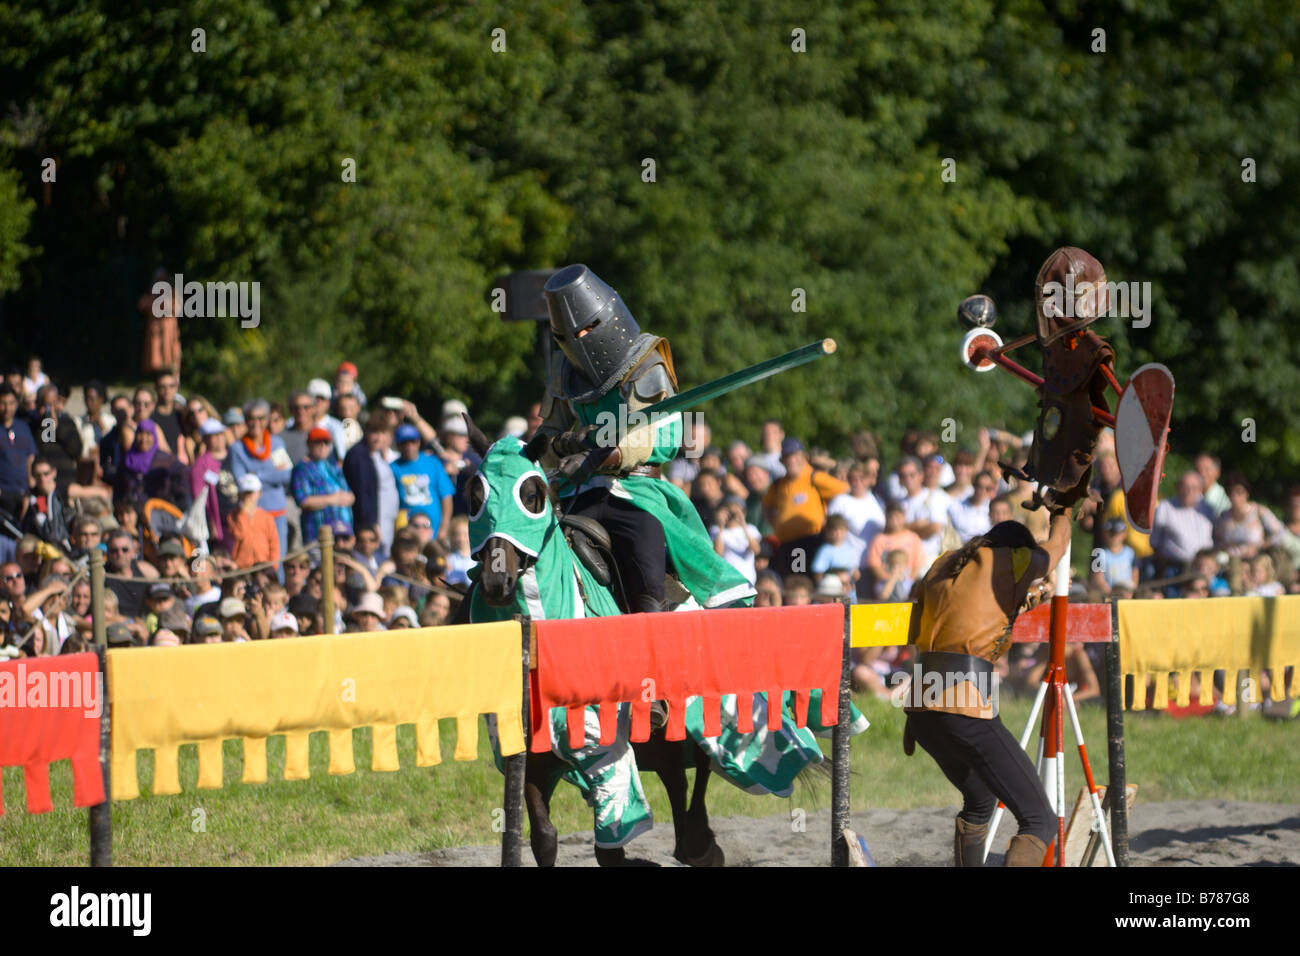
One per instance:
(253, 535)
(795, 507)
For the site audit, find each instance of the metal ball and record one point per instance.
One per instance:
(977, 312)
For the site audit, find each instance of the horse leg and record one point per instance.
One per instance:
(699, 848)
(541, 832)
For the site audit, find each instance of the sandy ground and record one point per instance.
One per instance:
(1179, 833)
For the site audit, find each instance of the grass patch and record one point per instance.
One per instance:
(329, 818)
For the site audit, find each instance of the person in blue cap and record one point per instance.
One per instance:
(422, 483)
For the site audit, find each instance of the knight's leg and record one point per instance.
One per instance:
(638, 540)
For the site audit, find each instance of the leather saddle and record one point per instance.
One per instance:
(590, 541)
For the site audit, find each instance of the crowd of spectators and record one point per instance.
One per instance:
(207, 520)
(148, 475)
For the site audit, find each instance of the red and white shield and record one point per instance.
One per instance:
(1141, 436)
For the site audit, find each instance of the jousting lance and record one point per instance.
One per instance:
(719, 386)
(746, 376)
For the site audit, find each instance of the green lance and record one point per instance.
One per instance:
(745, 376)
(719, 386)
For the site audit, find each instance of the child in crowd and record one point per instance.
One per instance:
(1116, 563)
(458, 560)
(897, 585)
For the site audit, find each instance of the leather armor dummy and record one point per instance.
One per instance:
(1065, 436)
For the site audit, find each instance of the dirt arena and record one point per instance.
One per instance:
(1178, 833)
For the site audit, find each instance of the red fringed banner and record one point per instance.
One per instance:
(49, 710)
(640, 658)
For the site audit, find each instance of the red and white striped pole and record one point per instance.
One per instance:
(1052, 768)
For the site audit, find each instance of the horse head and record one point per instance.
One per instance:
(511, 516)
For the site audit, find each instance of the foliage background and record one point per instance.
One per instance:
(775, 171)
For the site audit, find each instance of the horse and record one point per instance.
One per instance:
(499, 591)
(526, 566)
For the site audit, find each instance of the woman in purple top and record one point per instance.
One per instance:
(261, 453)
(149, 472)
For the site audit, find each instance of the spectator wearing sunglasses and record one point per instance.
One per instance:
(122, 563)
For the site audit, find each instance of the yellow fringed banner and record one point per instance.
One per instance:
(205, 693)
(1157, 638)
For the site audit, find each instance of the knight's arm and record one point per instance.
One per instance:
(557, 417)
(655, 440)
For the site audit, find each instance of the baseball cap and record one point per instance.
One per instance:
(118, 635)
(173, 547)
(1116, 524)
(515, 426)
(791, 446)
(349, 368)
(206, 626)
(753, 461)
(406, 432)
(319, 388)
(320, 434)
(283, 620)
(454, 406)
(454, 425)
(161, 590)
(233, 416)
(250, 482)
(232, 607)
(211, 426)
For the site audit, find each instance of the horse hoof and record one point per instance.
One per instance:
(713, 856)
(618, 857)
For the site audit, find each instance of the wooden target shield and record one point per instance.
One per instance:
(1141, 440)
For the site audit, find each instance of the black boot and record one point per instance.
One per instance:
(649, 604)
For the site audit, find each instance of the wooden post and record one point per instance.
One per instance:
(1116, 785)
(840, 751)
(99, 624)
(326, 540)
(512, 840)
(101, 815)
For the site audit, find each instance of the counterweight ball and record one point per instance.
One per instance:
(977, 312)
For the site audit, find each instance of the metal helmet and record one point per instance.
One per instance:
(577, 299)
(1070, 293)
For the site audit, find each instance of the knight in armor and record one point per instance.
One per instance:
(604, 371)
(1070, 294)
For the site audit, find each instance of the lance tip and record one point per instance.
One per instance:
(828, 346)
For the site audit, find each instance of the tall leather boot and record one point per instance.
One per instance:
(1025, 850)
(968, 843)
(648, 604)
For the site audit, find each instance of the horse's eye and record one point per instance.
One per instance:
(533, 495)
(478, 495)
